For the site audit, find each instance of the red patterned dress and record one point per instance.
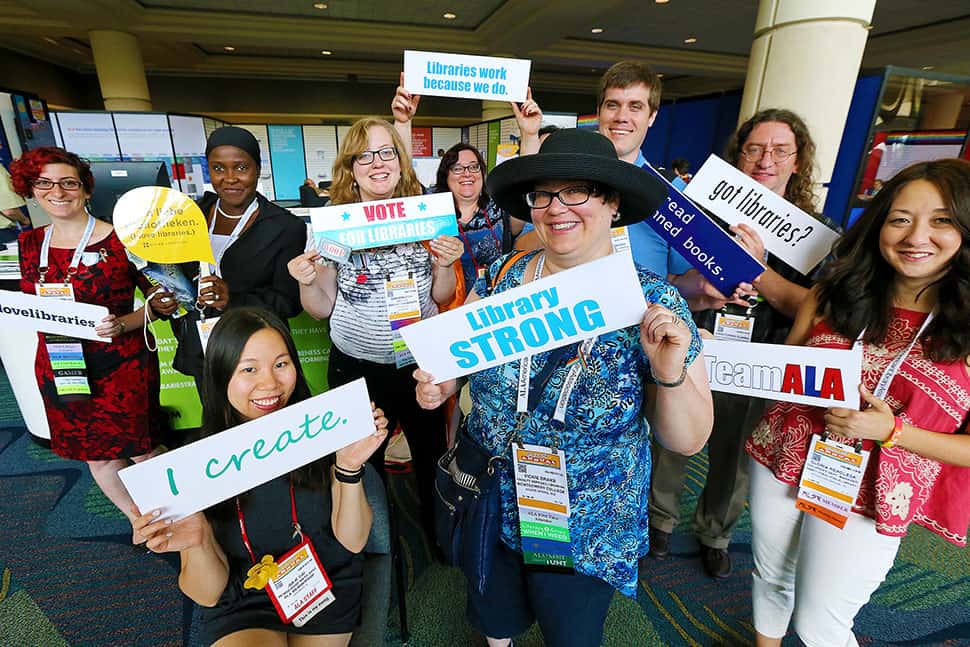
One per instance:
(899, 487)
(122, 418)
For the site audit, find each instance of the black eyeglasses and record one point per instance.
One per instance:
(755, 152)
(571, 196)
(367, 157)
(68, 184)
(458, 169)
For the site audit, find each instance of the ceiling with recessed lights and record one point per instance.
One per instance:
(284, 39)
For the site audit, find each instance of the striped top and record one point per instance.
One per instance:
(359, 325)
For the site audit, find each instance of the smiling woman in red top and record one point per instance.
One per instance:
(899, 282)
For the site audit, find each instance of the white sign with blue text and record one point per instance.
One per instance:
(199, 475)
(797, 238)
(466, 77)
(820, 377)
(385, 222)
(561, 309)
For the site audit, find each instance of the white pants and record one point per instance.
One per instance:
(809, 569)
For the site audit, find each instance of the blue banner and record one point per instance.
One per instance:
(286, 156)
(711, 250)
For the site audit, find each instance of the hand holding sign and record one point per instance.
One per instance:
(665, 340)
(876, 422)
(162, 225)
(163, 536)
(404, 105)
(528, 116)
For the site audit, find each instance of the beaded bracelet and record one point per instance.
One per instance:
(670, 385)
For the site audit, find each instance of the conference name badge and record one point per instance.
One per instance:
(831, 480)
(728, 327)
(542, 494)
(300, 589)
(66, 353)
(205, 327)
(403, 309)
(620, 238)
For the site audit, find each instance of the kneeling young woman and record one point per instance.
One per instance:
(251, 370)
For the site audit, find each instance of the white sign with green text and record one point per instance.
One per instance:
(211, 470)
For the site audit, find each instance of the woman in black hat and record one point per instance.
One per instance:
(252, 241)
(573, 191)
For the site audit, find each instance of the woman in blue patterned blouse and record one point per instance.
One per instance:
(573, 191)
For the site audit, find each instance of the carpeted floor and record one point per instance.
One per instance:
(69, 576)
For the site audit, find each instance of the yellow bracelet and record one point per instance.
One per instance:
(894, 436)
(121, 322)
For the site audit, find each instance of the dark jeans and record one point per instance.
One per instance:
(392, 389)
(571, 609)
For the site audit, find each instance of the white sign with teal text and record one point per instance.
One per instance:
(576, 304)
(208, 471)
(386, 222)
(466, 77)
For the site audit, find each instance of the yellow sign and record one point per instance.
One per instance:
(162, 225)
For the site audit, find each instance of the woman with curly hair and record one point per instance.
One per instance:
(373, 164)
(899, 284)
(103, 407)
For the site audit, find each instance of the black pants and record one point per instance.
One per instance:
(392, 389)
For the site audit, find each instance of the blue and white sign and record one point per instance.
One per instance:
(466, 77)
(386, 222)
(567, 307)
(712, 251)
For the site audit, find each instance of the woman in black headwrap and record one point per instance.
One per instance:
(252, 240)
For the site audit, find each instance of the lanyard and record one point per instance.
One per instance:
(528, 393)
(242, 523)
(78, 251)
(468, 246)
(882, 387)
(236, 231)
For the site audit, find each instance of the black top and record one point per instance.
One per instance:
(254, 268)
(266, 510)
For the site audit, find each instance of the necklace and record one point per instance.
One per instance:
(226, 215)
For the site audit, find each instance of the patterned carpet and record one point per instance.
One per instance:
(69, 576)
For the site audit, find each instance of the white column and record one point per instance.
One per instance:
(121, 71)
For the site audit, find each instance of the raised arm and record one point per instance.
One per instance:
(404, 106)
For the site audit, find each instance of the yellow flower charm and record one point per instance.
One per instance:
(260, 574)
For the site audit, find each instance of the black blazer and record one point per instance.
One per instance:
(254, 268)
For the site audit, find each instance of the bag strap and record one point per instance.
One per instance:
(509, 262)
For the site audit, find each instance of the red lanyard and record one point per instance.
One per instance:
(242, 523)
(471, 251)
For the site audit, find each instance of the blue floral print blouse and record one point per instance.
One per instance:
(605, 438)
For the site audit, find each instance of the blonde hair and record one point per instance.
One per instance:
(344, 189)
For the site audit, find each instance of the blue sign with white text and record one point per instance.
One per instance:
(711, 250)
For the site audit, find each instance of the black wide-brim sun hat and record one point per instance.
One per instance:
(576, 154)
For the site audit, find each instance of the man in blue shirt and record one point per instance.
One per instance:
(627, 105)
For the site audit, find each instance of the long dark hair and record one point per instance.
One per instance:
(449, 159)
(857, 289)
(229, 337)
(800, 190)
